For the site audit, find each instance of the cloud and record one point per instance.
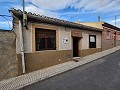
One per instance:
(37, 10)
(98, 5)
(52, 4)
(58, 8)
(83, 5)
(48, 7)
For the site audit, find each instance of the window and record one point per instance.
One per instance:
(92, 41)
(108, 34)
(45, 39)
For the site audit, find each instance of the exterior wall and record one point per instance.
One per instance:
(85, 50)
(112, 41)
(89, 51)
(65, 33)
(64, 51)
(118, 38)
(8, 61)
(85, 39)
(92, 24)
(107, 44)
(118, 43)
(27, 37)
(39, 60)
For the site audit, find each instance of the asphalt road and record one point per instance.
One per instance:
(102, 74)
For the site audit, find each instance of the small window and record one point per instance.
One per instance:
(108, 34)
(92, 41)
(45, 39)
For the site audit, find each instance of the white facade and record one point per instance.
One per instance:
(63, 37)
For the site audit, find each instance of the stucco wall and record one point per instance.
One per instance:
(85, 39)
(65, 33)
(27, 37)
(43, 59)
(62, 33)
(93, 24)
(8, 61)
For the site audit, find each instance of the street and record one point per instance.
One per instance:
(102, 74)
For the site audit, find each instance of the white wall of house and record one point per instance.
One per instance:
(28, 39)
(85, 39)
(27, 35)
(64, 34)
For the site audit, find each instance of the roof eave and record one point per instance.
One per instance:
(39, 18)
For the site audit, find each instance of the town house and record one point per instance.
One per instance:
(50, 41)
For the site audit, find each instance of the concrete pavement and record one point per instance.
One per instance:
(27, 79)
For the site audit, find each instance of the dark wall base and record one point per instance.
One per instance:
(86, 52)
(43, 59)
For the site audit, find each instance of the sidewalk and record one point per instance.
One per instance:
(27, 79)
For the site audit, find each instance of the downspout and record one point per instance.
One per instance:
(22, 47)
(21, 38)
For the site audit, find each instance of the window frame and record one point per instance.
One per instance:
(92, 43)
(45, 33)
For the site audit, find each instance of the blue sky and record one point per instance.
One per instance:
(70, 10)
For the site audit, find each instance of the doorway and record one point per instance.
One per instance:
(75, 46)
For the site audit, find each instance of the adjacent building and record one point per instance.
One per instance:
(110, 34)
(50, 41)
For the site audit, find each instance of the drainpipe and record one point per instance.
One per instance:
(21, 27)
(22, 47)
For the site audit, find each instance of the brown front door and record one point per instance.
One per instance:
(75, 46)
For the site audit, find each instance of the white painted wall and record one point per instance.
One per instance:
(64, 34)
(27, 38)
(85, 39)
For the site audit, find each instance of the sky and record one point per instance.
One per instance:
(70, 10)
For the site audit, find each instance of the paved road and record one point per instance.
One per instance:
(103, 74)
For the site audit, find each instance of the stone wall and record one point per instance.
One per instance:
(8, 61)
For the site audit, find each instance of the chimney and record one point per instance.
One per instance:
(98, 18)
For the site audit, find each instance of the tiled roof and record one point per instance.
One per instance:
(111, 26)
(42, 18)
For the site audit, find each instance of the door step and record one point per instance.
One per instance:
(76, 59)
